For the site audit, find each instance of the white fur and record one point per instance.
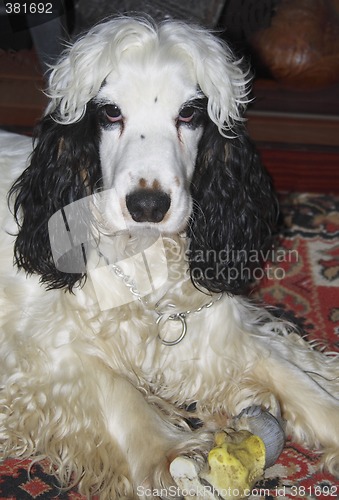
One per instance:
(162, 155)
(96, 390)
(217, 73)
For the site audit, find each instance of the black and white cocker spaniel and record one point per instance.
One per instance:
(136, 226)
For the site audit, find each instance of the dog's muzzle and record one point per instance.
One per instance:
(148, 205)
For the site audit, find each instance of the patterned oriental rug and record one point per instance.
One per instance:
(302, 281)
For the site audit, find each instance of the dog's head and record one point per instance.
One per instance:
(152, 116)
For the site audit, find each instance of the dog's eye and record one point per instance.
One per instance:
(113, 113)
(186, 114)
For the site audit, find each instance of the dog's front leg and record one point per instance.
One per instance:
(311, 411)
(147, 437)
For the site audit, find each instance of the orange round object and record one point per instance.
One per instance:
(301, 47)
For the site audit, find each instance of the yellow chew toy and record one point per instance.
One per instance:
(237, 460)
(236, 463)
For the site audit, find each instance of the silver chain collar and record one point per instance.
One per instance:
(162, 317)
(182, 318)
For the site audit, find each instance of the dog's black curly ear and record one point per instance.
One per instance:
(64, 167)
(234, 211)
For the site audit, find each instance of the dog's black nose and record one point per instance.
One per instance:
(148, 205)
